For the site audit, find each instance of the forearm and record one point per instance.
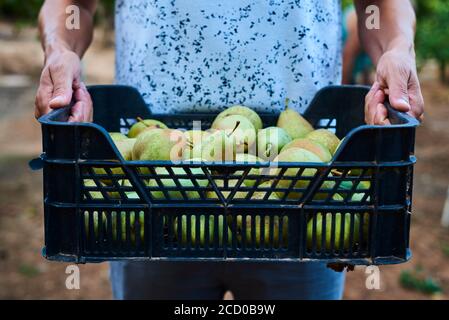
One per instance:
(397, 27)
(55, 36)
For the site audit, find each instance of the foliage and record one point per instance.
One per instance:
(26, 12)
(20, 11)
(432, 33)
(416, 280)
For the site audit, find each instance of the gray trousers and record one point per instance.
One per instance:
(210, 280)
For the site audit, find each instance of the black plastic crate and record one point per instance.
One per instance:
(207, 212)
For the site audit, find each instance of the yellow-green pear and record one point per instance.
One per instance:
(336, 230)
(216, 147)
(317, 148)
(249, 159)
(295, 125)
(326, 138)
(202, 231)
(117, 136)
(159, 144)
(125, 147)
(194, 138)
(119, 233)
(142, 125)
(294, 155)
(96, 195)
(246, 112)
(185, 182)
(230, 186)
(98, 219)
(240, 130)
(270, 141)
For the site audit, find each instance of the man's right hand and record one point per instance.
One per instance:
(59, 83)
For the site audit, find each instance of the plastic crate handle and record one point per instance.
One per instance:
(398, 117)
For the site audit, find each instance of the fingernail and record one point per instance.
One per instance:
(57, 100)
(407, 103)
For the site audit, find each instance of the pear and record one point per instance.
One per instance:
(202, 230)
(246, 112)
(170, 183)
(310, 145)
(249, 159)
(193, 138)
(231, 185)
(326, 138)
(218, 146)
(97, 220)
(142, 125)
(117, 136)
(125, 147)
(159, 144)
(257, 240)
(95, 195)
(295, 125)
(294, 155)
(270, 141)
(240, 130)
(363, 186)
(337, 231)
(120, 233)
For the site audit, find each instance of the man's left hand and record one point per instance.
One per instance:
(396, 76)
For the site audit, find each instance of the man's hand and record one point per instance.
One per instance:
(396, 77)
(391, 48)
(59, 83)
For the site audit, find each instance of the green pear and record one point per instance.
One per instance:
(217, 147)
(96, 195)
(246, 112)
(310, 145)
(294, 155)
(337, 231)
(270, 141)
(231, 185)
(326, 138)
(170, 183)
(117, 136)
(240, 130)
(257, 239)
(294, 124)
(97, 220)
(125, 147)
(159, 144)
(249, 159)
(120, 234)
(142, 125)
(202, 230)
(194, 138)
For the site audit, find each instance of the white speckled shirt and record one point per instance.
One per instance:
(201, 55)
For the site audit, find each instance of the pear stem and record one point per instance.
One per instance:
(287, 100)
(142, 121)
(236, 126)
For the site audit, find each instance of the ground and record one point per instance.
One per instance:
(24, 274)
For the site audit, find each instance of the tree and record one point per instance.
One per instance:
(432, 33)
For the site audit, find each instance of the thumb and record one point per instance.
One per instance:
(62, 90)
(398, 94)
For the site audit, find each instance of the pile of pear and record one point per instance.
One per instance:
(237, 134)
